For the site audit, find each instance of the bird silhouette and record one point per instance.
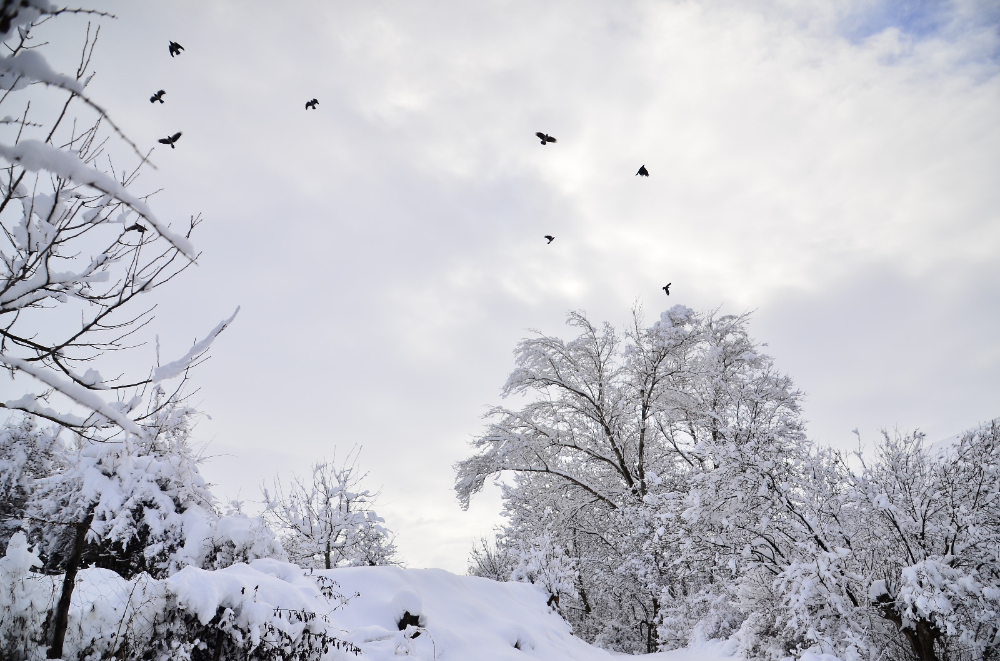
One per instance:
(549, 237)
(171, 140)
(137, 227)
(642, 171)
(544, 137)
(175, 48)
(667, 288)
(312, 104)
(157, 97)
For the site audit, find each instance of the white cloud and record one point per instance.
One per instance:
(831, 166)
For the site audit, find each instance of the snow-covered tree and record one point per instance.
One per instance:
(905, 559)
(616, 427)
(329, 521)
(79, 251)
(671, 464)
(148, 507)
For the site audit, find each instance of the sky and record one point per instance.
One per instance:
(831, 167)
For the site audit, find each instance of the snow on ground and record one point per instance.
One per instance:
(465, 617)
(711, 650)
(458, 617)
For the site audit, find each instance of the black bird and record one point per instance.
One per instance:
(175, 48)
(171, 140)
(157, 97)
(642, 171)
(545, 137)
(549, 237)
(667, 288)
(137, 227)
(312, 104)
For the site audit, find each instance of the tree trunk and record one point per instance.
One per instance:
(921, 637)
(652, 635)
(69, 581)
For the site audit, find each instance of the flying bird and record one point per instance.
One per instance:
(171, 140)
(157, 97)
(137, 227)
(545, 137)
(312, 104)
(175, 48)
(642, 171)
(549, 237)
(667, 288)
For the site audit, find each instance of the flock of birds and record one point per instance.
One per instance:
(175, 49)
(643, 172)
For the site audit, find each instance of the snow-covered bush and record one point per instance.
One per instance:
(25, 601)
(544, 563)
(330, 521)
(27, 453)
(267, 611)
(492, 558)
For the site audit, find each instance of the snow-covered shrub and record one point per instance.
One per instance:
(268, 611)
(544, 563)
(694, 610)
(25, 600)
(113, 617)
(27, 453)
(492, 559)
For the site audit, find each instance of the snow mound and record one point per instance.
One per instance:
(464, 617)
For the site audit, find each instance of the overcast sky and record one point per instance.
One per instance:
(834, 167)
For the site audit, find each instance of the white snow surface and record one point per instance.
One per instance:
(461, 617)
(468, 617)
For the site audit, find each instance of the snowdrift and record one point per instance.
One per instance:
(464, 617)
(469, 618)
(450, 617)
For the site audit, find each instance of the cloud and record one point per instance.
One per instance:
(830, 166)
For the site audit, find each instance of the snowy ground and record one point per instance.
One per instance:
(467, 618)
(460, 617)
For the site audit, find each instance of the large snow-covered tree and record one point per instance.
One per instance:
(613, 422)
(894, 556)
(671, 464)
